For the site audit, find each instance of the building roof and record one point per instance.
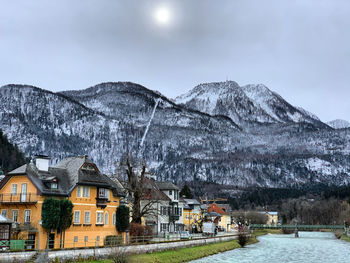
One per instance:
(67, 174)
(152, 192)
(5, 220)
(167, 186)
(214, 208)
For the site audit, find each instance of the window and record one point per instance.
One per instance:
(164, 227)
(98, 238)
(53, 185)
(75, 238)
(99, 218)
(106, 218)
(191, 217)
(87, 217)
(4, 212)
(102, 192)
(83, 191)
(114, 218)
(14, 189)
(170, 192)
(27, 216)
(14, 215)
(176, 195)
(186, 216)
(76, 217)
(180, 211)
(86, 239)
(86, 191)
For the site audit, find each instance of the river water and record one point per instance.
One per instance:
(310, 247)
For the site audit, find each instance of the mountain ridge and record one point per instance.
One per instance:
(108, 120)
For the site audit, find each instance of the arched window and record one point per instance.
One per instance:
(106, 218)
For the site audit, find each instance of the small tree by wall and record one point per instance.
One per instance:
(122, 218)
(50, 215)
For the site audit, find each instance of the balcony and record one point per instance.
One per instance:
(9, 199)
(101, 201)
(174, 217)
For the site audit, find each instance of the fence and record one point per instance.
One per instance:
(108, 241)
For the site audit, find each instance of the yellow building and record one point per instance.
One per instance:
(192, 215)
(272, 218)
(95, 198)
(223, 220)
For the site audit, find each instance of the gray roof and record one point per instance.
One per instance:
(19, 170)
(68, 173)
(192, 201)
(167, 186)
(5, 220)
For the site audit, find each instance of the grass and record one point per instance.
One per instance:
(345, 238)
(190, 253)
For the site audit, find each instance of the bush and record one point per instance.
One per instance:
(140, 232)
(113, 240)
(242, 239)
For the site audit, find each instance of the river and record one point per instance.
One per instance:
(310, 247)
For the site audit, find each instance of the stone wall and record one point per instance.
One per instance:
(9, 257)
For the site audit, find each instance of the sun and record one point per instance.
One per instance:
(162, 15)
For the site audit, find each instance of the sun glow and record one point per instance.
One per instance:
(162, 15)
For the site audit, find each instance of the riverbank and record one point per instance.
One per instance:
(345, 238)
(189, 253)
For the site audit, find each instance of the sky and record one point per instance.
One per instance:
(298, 48)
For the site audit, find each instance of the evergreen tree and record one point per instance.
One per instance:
(122, 218)
(66, 217)
(50, 215)
(186, 192)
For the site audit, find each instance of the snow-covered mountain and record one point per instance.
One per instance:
(339, 124)
(250, 103)
(219, 132)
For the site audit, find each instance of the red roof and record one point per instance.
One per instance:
(214, 208)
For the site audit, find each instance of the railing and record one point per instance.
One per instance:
(115, 241)
(299, 227)
(18, 198)
(101, 201)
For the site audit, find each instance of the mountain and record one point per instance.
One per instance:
(339, 124)
(218, 132)
(244, 105)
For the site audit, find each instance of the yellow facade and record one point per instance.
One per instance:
(225, 222)
(191, 218)
(272, 219)
(83, 232)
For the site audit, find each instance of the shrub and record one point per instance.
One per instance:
(242, 239)
(140, 232)
(113, 240)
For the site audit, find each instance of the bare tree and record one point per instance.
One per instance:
(139, 188)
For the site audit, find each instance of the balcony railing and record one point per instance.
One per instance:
(101, 201)
(28, 198)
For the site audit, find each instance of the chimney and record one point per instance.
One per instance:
(42, 162)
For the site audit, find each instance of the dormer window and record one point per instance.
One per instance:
(54, 185)
(103, 193)
(170, 192)
(89, 166)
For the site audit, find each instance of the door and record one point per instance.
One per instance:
(51, 241)
(24, 193)
(30, 243)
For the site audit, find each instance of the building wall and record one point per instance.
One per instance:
(191, 217)
(77, 232)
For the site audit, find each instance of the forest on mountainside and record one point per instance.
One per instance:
(10, 156)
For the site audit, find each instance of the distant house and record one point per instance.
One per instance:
(224, 220)
(167, 208)
(94, 195)
(272, 218)
(192, 215)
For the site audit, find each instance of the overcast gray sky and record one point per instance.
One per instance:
(298, 48)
